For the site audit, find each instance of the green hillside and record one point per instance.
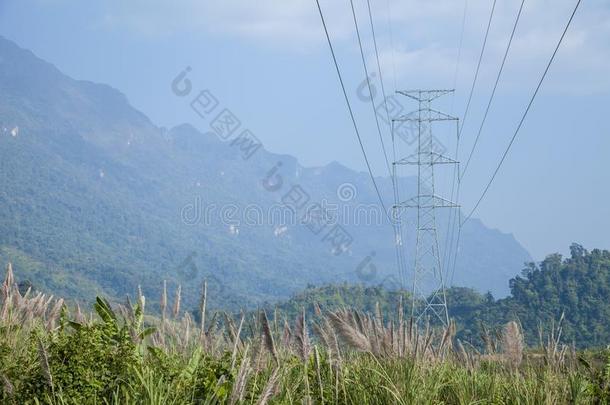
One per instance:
(574, 290)
(93, 199)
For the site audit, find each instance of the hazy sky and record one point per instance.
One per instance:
(268, 61)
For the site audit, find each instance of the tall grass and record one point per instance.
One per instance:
(53, 353)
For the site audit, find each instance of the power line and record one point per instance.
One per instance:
(400, 259)
(510, 41)
(546, 70)
(368, 82)
(476, 75)
(457, 243)
(453, 219)
(451, 223)
(456, 177)
(385, 101)
(398, 235)
(351, 112)
(389, 14)
(459, 55)
(455, 224)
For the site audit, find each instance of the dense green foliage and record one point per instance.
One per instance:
(105, 360)
(574, 290)
(86, 363)
(117, 360)
(578, 287)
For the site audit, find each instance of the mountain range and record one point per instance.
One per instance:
(97, 199)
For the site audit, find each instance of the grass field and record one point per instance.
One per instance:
(54, 353)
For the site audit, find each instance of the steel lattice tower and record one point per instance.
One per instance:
(428, 287)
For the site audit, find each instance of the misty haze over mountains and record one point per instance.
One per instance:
(94, 197)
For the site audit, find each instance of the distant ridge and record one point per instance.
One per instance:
(93, 197)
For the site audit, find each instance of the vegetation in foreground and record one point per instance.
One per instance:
(52, 355)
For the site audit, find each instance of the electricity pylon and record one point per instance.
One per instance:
(428, 288)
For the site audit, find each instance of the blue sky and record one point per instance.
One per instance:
(268, 61)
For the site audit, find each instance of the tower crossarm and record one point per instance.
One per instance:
(425, 115)
(427, 201)
(424, 95)
(432, 158)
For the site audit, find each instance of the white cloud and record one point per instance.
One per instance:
(434, 29)
(425, 33)
(282, 22)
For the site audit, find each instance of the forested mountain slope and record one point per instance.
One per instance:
(95, 198)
